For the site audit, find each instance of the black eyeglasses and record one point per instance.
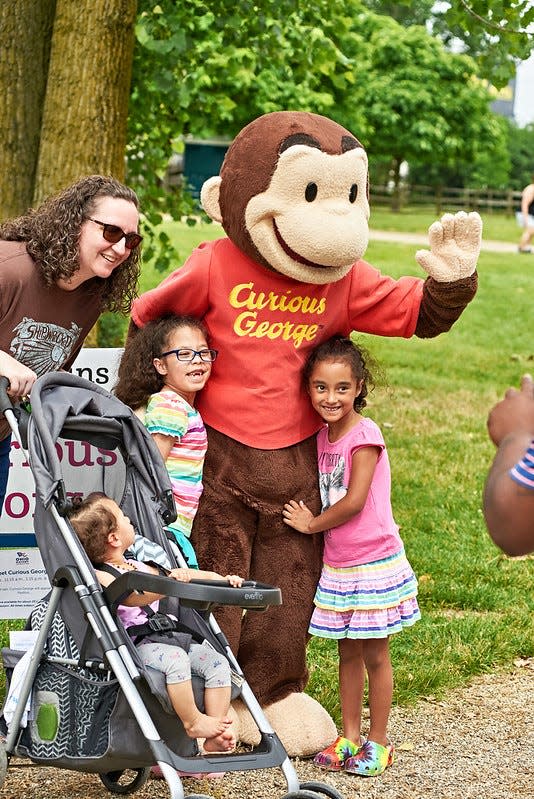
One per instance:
(185, 354)
(114, 233)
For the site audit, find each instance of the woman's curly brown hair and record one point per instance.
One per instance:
(138, 378)
(51, 233)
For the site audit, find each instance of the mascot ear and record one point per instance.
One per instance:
(209, 198)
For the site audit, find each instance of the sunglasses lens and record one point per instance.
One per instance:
(132, 240)
(112, 233)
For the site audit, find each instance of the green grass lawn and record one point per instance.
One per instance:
(477, 605)
(497, 227)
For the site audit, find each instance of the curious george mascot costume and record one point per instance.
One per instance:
(292, 197)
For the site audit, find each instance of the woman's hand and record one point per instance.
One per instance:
(21, 378)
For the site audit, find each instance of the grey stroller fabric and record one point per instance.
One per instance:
(80, 439)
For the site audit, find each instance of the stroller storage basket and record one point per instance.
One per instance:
(71, 712)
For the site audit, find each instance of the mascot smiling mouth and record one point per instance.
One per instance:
(292, 254)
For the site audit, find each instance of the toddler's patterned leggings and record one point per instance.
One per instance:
(178, 665)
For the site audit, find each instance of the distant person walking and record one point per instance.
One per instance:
(525, 217)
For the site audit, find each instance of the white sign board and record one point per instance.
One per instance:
(23, 580)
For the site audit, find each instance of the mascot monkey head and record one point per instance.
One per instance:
(293, 195)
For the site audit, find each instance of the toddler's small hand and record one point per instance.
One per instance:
(182, 575)
(235, 580)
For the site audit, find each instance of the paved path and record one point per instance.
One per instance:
(421, 240)
(475, 743)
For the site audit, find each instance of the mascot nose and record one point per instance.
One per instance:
(338, 207)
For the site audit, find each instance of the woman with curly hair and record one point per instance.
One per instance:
(61, 265)
(163, 367)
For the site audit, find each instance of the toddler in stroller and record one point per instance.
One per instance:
(106, 535)
(94, 705)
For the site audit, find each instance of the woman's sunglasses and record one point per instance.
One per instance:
(114, 233)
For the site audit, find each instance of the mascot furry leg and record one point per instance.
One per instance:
(240, 519)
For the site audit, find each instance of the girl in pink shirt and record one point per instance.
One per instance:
(367, 590)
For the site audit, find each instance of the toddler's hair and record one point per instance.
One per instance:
(341, 348)
(92, 522)
(138, 377)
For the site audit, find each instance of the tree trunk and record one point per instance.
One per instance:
(25, 32)
(86, 107)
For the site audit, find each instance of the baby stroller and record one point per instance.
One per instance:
(93, 706)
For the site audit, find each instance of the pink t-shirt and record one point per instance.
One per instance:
(131, 615)
(372, 534)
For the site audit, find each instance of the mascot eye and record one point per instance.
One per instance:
(311, 192)
(353, 193)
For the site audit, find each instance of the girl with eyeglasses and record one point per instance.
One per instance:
(163, 367)
(61, 265)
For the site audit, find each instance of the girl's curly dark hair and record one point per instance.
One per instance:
(51, 233)
(342, 348)
(138, 378)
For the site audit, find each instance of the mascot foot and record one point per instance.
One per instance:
(301, 723)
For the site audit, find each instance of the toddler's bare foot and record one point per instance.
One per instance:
(224, 742)
(203, 726)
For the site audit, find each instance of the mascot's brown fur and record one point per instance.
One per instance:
(292, 197)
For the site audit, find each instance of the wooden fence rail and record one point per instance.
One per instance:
(447, 198)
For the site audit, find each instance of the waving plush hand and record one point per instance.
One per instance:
(454, 247)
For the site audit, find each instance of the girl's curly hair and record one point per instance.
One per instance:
(342, 348)
(138, 378)
(51, 233)
(92, 521)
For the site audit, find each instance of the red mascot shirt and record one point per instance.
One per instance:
(264, 325)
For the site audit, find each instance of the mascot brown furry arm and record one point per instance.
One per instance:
(292, 198)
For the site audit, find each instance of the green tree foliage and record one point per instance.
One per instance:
(423, 104)
(494, 33)
(206, 69)
(405, 12)
(521, 148)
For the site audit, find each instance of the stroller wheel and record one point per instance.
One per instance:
(301, 794)
(126, 781)
(322, 789)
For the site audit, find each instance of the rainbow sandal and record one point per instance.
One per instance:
(371, 760)
(335, 756)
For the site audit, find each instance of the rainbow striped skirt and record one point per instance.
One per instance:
(373, 600)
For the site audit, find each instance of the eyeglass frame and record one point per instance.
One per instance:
(213, 354)
(126, 236)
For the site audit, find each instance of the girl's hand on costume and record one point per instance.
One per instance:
(235, 580)
(183, 575)
(298, 516)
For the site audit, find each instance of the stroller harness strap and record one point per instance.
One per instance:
(160, 626)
